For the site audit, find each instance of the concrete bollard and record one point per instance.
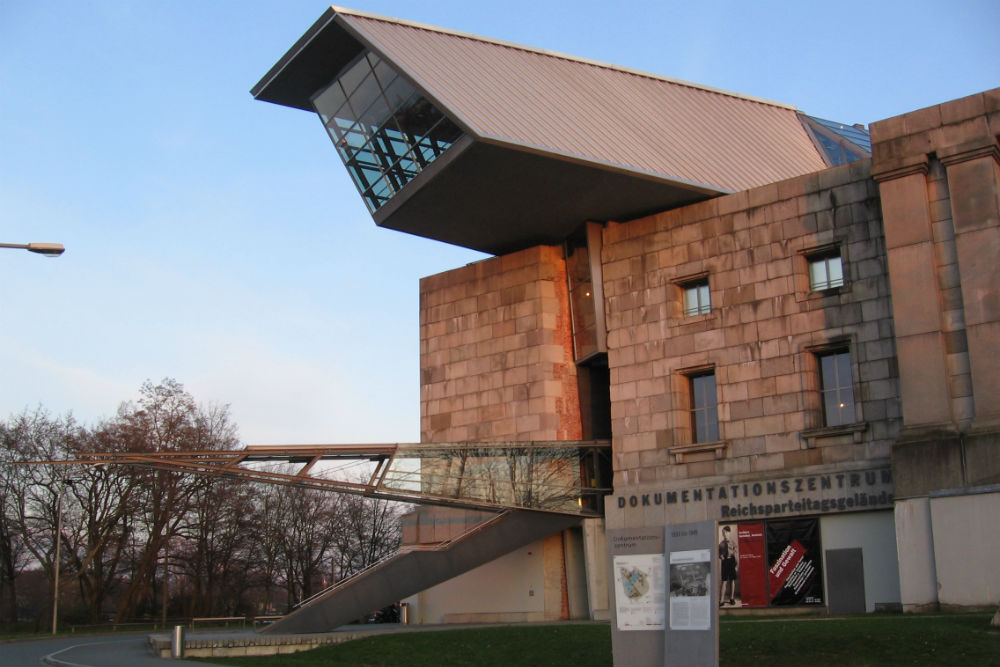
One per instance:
(177, 642)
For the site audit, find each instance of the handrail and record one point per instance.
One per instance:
(443, 545)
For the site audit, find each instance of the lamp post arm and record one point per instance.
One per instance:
(47, 249)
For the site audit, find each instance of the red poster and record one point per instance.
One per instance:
(753, 565)
(783, 567)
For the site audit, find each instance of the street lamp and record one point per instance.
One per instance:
(47, 249)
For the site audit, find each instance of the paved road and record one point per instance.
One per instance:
(117, 650)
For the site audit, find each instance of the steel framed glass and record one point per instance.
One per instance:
(385, 131)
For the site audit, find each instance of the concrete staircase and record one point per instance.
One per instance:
(418, 567)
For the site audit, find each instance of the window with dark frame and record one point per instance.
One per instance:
(697, 298)
(704, 410)
(826, 271)
(385, 131)
(836, 387)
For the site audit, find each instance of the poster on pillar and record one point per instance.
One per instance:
(742, 565)
(752, 565)
(639, 592)
(793, 552)
(690, 589)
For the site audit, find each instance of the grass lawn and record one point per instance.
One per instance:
(951, 639)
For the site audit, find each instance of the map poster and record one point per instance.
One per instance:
(690, 590)
(640, 591)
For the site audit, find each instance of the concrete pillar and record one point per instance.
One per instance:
(918, 590)
(920, 342)
(973, 170)
(576, 574)
(595, 554)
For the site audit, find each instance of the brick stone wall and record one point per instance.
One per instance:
(496, 359)
(761, 336)
(496, 364)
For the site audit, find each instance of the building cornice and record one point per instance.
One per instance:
(970, 150)
(891, 169)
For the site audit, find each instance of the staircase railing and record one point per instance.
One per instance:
(443, 545)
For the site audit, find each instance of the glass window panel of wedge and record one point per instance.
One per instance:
(378, 121)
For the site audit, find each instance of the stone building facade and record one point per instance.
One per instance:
(762, 335)
(782, 324)
(907, 477)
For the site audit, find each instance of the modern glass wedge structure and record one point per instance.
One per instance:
(384, 130)
(434, 125)
(781, 323)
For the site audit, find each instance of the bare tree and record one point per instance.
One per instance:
(34, 494)
(308, 536)
(367, 531)
(14, 553)
(165, 418)
(105, 498)
(216, 554)
(113, 525)
(267, 535)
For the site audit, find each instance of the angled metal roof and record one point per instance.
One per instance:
(606, 142)
(608, 115)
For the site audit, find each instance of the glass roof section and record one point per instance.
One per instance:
(839, 142)
(385, 131)
(857, 135)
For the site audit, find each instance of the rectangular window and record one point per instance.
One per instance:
(836, 387)
(697, 299)
(704, 413)
(825, 271)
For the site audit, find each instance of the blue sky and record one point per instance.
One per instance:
(218, 240)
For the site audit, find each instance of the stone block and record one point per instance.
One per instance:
(797, 187)
(801, 458)
(922, 120)
(964, 108)
(906, 213)
(926, 460)
(982, 454)
(745, 447)
(731, 203)
(911, 271)
(974, 193)
(766, 425)
(767, 462)
(839, 449)
(984, 359)
(923, 379)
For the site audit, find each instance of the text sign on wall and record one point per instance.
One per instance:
(848, 491)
